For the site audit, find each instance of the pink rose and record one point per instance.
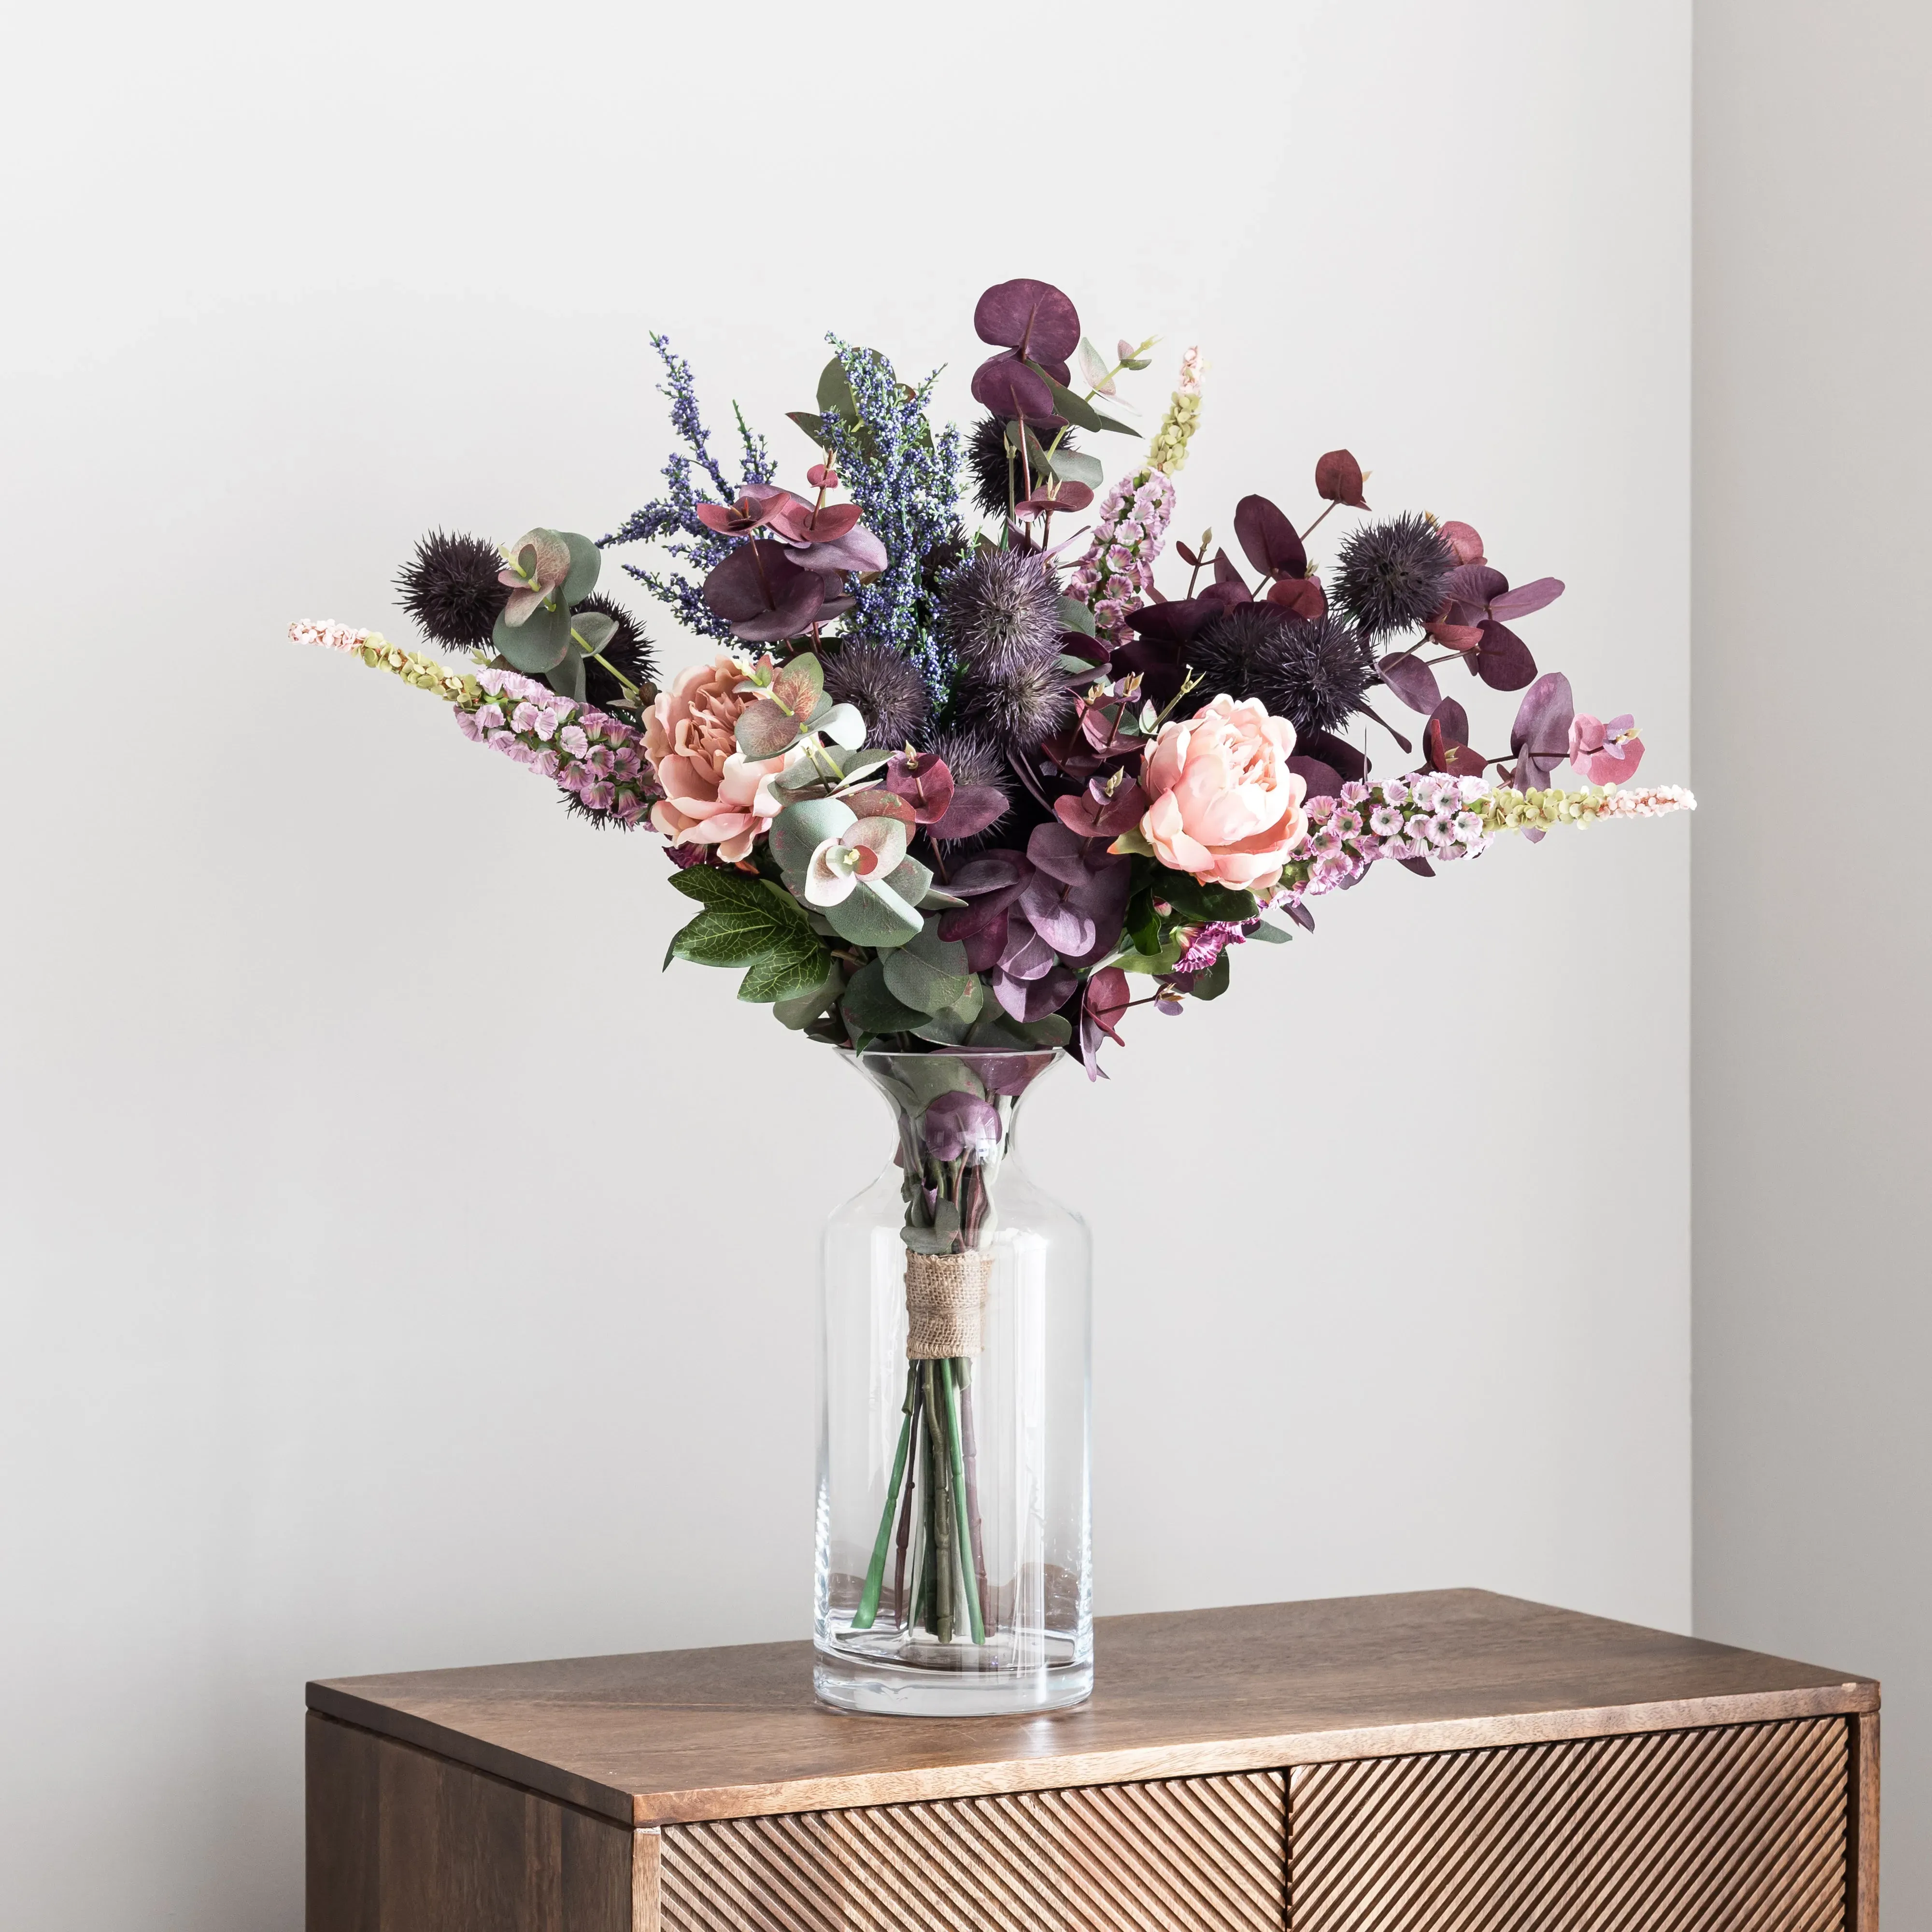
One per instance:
(1605, 753)
(713, 795)
(1223, 804)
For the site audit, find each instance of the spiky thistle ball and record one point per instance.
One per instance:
(1002, 613)
(1019, 707)
(629, 650)
(1314, 673)
(449, 586)
(888, 690)
(987, 462)
(1226, 651)
(1390, 575)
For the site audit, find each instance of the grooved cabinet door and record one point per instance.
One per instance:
(1191, 1854)
(1742, 1829)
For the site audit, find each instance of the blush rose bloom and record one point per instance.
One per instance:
(1224, 804)
(713, 794)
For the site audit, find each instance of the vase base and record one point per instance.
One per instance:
(881, 1687)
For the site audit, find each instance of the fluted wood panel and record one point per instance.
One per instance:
(1205, 1852)
(1742, 1829)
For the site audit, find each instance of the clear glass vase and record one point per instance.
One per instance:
(954, 1569)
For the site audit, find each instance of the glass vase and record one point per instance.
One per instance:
(954, 1565)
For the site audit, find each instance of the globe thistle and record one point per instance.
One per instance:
(887, 688)
(1001, 614)
(995, 474)
(974, 759)
(1019, 707)
(1228, 650)
(629, 651)
(1314, 672)
(1391, 575)
(449, 586)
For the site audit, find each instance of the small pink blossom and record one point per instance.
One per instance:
(572, 740)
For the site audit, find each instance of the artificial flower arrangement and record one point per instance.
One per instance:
(960, 783)
(952, 778)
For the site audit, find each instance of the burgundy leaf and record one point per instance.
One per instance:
(1029, 954)
(1186, 555)
(1034, 317)
(1323, 780)
(1421, 868)
(1462, 539)
(991, 872)
(1094, 814)
(858, 550)
(1338, 477)
(1225, 571)
(1411, 680)
(1540, 736)
(745, 585)
(1526, 598)
(1335, 751)
(800, 523)
(1470, 586)
(875, 802)
(1058, 917)
(1029, 1000)
(1225, 594)
(1303, 596)
(1004, 385)
(1503, 660)
(1175, 621)
(1107, 997)
(983, 948)
(924, 782)
(1267, 539)
(973, 808)
(1060, 852)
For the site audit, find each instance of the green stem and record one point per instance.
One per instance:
(875, 1572)
(957, 1453)
(940, 1503)
(925, 1596)
(972, 1452)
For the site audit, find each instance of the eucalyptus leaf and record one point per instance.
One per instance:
(566, 677)
(586, 560)
(928, 972)
(1074, 616)
(1271, 935)
(593, 628)
(802, 1011)
(874, 915)
(868, 1003)
(911, 879)
(928, 1078)
(536, 644)
(844, 724)
(799, 829)
(1075, 465)
(834, 392)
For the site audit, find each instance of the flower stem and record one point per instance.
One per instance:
(976, 1533)
(901, 1609)
(975, 1618)
(875, 1572)
(940, 1510)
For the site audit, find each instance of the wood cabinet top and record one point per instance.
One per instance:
(675, 1736)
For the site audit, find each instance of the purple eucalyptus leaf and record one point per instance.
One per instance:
(1323, 780)
(1336, 752)
(983, 949)
(1033, 317)
(1526, 598)
(858, 550)
(1473, 585)
(1543, 718)
(1059, 851)
(1267, 539)
(744, 586)
(973, 808)
(1421, 868)
(991, 872)
(1503, 661)
(1006, 387)
(961, 1126)
(983, 915)
(1029, 954)
(1411, 680)
(1029, 1000)
(1056, 916)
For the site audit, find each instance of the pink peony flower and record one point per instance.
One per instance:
(713, 795)
(1606, 754)
(1225, 806)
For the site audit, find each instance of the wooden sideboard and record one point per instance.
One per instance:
(1446, 1761)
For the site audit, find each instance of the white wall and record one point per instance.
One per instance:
(396, 1268)
(1813, 934)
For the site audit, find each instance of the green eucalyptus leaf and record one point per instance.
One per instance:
(812, 421)
(926, 1079)
(1213, 983)
(943, 1030)
(874, 915)
(1054, 1031)
(586, 560)
(869, 1004)
(1074, 465)
(765, 730)
(1074, 616)
(799, 829)
(844, 724)
(566, 677)
(1271, 935)
(928, 972)
(536, 644)
(911, 879)
(593, 628)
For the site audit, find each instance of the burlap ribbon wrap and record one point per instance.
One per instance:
(946, 1296)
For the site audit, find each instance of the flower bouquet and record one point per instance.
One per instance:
(958, 786)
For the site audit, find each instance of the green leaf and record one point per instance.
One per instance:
(1075, 411)
(586, 560)
(834, 392)
(1056, 1029)
(566, 677)
(874, 915)
(807, 1007)
(1074, 616)
(926, 1080)
(744, 921)
(911, 879)
(869, 1004)
(1213, 983)
(812, 421)
(844, 724)
(799, 966)
(1075, 465)
(1271, 935)
(1193, 901)
(798, 685)
(928, 972)
(1154, 963)
(536, 644)
(764, 730)
(799, 829)
(593, 629)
